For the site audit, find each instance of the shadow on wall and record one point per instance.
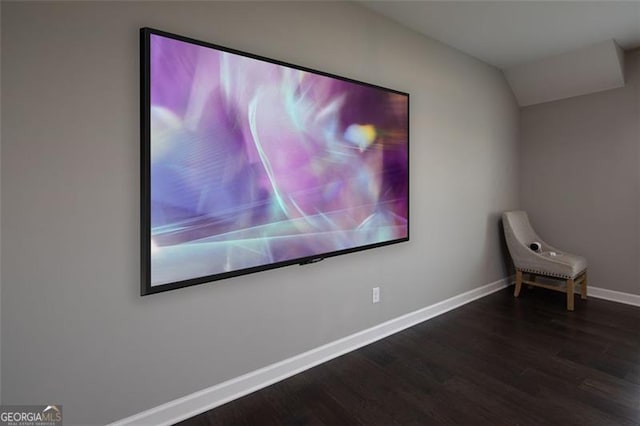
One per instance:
(509, 268)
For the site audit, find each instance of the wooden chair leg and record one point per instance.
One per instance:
(583, 289)
(532, 278)
(570, 284)
(516, 292)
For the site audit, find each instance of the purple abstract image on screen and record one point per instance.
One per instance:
(254, 163)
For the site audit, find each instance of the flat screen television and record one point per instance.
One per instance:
(250, 163)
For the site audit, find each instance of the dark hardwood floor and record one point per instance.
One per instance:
(495, 361)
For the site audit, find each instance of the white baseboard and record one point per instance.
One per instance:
(206, 399)
(614, 296)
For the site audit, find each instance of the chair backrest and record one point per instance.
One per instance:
(519, 234)
(518, 223)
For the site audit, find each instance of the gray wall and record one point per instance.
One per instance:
(0, 215)
(74, 329)
(580, 178)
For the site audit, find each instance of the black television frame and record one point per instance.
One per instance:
(145, 168)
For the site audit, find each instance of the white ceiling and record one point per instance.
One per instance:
(508, 33)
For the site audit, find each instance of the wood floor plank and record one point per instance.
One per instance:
(497, 360)
(585, 407)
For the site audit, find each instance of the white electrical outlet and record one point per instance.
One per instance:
(376, 295)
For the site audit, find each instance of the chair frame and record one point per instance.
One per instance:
(568, 288)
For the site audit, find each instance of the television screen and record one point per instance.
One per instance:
(250, 163)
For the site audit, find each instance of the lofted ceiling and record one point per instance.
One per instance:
(510, 33)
